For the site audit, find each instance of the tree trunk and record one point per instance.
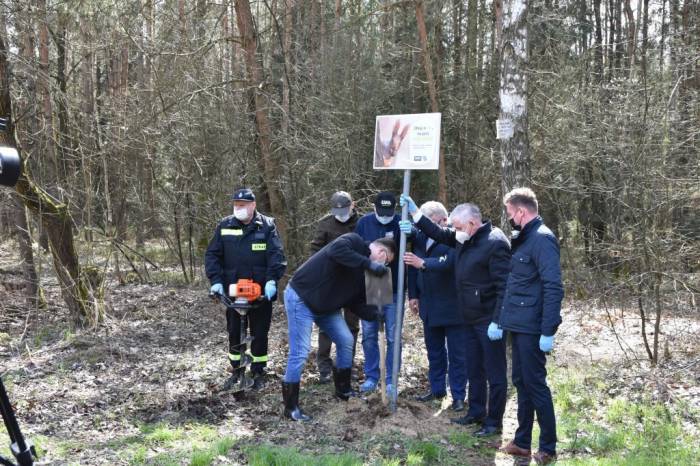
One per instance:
(432, 92)
(48, 151)
(631, 35)
(246, 27)
(598, 56)
(80, 293)
(513, 94)
(24, 241)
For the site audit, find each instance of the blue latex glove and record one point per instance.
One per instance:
(406, 200)
(494, 332)
(546, 343)
(377, 269)
(270, 290)
(406, 226)
(217, 288)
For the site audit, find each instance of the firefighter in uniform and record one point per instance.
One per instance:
(246, 245)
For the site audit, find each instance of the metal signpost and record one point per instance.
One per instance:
(405, 142)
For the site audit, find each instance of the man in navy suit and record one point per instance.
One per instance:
(432, 294)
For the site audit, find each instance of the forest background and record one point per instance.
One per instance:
(137, 119)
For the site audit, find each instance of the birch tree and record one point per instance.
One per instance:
(513, 94)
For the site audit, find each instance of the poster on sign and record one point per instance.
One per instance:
(407, 142)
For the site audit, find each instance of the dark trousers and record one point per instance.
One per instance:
(446, 356)
(488, 383)
(530, 379)
(323, 356)
(259, 319)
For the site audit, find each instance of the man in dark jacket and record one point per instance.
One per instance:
(246, 245)
(481, 270)
(341, 220)
(531, 312)
(382, 223)
(432, 294)
(331, 279)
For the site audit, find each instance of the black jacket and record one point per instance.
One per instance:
(329, 228)
(481, 269)
(245, 251)
(334, 278)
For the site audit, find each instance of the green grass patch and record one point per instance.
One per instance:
(599, 430)
(194, 444)
(425, 452)
(269, 455)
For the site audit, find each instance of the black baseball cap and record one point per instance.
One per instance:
(243, 194)
(340, 203)
(385, 203)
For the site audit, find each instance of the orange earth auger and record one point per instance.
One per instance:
(243, 296)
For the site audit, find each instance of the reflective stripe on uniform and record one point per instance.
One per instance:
(260, 358)
(234, 357)
(231, 232)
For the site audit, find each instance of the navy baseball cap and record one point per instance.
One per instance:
(243, 194)
(385, 203)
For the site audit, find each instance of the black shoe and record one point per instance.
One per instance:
(467, 420)
(258, 380)
(231, 381)
(430, 397)
(290, 394)
(457, 406)
(324, 377)
(341, 378)
(487, 431)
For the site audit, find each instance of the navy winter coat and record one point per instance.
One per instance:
(532, 302)
(435, 285)
(481, 268)
(245, 251)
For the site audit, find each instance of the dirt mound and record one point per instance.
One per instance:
(369, 415)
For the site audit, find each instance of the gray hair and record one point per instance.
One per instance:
(431, 208)
(464, 212)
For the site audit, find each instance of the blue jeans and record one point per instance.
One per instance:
(370, 344)
(300, 320)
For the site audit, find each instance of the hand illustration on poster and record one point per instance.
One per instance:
(406, 142)
(385, 152)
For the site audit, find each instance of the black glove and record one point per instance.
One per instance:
(377, 269)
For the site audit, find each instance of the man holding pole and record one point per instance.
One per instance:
(481, 270)
(382, 223)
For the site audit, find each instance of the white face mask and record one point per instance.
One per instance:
(241, 214)
(384, 220)
(462, 236)
(342, 218)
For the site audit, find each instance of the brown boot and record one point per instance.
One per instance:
(542, 457)
(513, 449)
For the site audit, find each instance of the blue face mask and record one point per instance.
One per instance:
(384, 220)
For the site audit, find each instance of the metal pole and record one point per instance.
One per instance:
(399, 300)
(24, 453)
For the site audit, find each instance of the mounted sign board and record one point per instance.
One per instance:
(407, 142)
(504, 129)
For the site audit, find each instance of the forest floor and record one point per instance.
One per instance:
(144, 388)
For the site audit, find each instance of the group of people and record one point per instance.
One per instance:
(468, 282)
